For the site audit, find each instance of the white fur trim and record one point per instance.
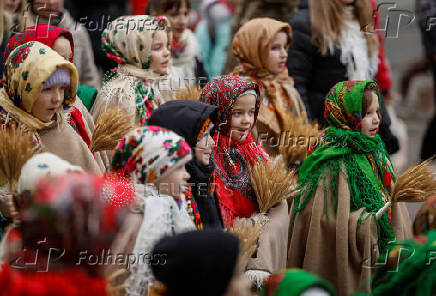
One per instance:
(354, 53)
(257, 277)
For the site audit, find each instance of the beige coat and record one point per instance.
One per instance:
(337, 249)
(64, 142)
(101, 157)
(271, 253)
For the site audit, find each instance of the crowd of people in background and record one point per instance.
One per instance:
(215, 147)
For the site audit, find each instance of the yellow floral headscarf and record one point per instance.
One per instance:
(27, 68)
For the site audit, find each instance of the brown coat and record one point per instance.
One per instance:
(337, 249)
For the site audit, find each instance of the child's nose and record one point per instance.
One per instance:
(58, 96)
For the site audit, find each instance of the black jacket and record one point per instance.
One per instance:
(186, 118)
(315, 74)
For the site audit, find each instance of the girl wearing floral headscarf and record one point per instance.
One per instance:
(154, 159)
(261, 45)
(61, 41)
(141, 46)
(38, 84)
(344, 182)
(234, 154)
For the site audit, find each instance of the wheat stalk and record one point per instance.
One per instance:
(417, 184)
(248, 231)
(272, 182)
(16, 147)
(111, 126)
(191, 93)
(300, 132)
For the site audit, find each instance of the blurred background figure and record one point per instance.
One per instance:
(64, 215)
(95, 15)
(52, 12)
(426, 13)
(185, 50)
(214, 33)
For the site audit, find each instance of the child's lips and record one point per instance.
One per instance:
(373, 131)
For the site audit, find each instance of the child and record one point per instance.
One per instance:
(185, 50)
(235, 153)
(195, 121)
(38, 83)
(154, 159)
(61, 41)
(63, 218)
(332, 43)
(214, 275)
(141, 46)
(344, 182)
(261, 45)
(214, 34)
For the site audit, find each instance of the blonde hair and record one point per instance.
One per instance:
(327, 17)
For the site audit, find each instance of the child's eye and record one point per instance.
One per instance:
(252, 112)
(236, 113)
(157, 47)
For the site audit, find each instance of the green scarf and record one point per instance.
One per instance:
(343, 147)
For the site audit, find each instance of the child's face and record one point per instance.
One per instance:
(175, 183)
(278, 54)
(179, 19)
(203, 150)
(371, 119)
(49, 102)
(243, 117)
(47, 8)
(160, 54)
(63, 47)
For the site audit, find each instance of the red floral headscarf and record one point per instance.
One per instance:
(42, 33)
(222, 92)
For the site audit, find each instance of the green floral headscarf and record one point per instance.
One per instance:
(294, 282)
(367, 164)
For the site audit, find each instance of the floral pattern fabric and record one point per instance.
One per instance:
(127, 41)
(233, 159)
(149, 153)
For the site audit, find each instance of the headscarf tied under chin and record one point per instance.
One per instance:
(128, 39)
(233, 159)
(222, 92)
(27, 68)
(367, 164)
(133, 85)
(251, 45)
